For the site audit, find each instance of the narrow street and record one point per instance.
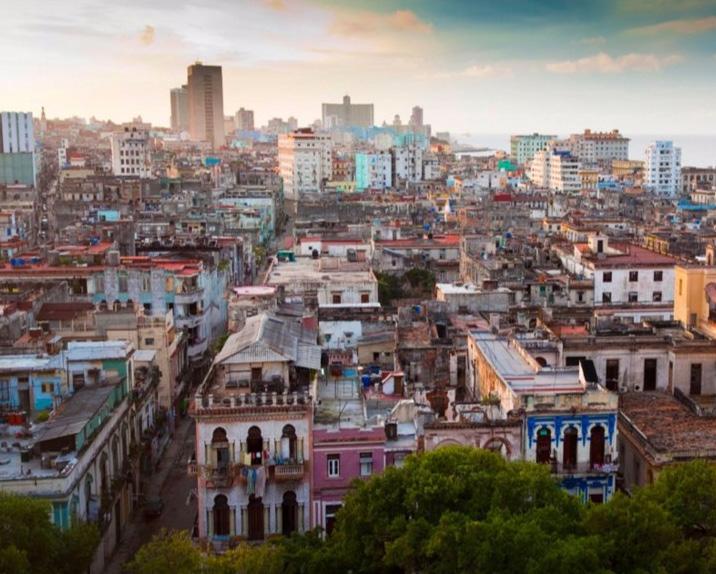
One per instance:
(171, 482)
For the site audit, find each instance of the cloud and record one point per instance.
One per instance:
(593, 41)
(603, 63)
(480, 71)
(365, 23)
(277, 5)
(147, 35)
(685, 26)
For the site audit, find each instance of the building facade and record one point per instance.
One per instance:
(347, 114)
(304, 161)
(206, 104)
(131, 153)
(662, 171)
(179, 99)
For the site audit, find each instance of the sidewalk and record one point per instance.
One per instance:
(176, 515)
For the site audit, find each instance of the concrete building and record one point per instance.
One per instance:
(347, 114)
(131, 153)
(373, 171)
(179, 98)
(564, 173)
(407, 164)
(304, 161)
(206, 104)
(600, 147)
(245, 120)
(17, 148)
(253, 432)
(524, 147)
(416, 117)
(662, 172)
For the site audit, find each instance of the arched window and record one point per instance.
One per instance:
(288, 442)
(541, 361)
(596, 446)
(289, 513)
(544, 445)
(88, 495)
(104, 478)
(117, 305)
(498, 446)
(569, 455)
(220, 444)
(222, 516)
(130, 304)
(255, 445)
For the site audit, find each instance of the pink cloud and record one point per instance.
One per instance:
(365, 23)
(603, 63)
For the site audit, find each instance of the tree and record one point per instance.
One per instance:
(168, 553)
(31, 544)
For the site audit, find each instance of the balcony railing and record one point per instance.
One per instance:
(583, 468)
(282, 472)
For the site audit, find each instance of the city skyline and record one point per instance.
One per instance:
(473, 67)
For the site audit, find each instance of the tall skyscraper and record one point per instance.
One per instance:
(17, 148)
(416, 118)
(180, 108)
(245, 120)
(662, 171)
(347, 114)
(206, 104)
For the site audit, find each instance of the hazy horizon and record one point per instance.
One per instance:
(643, 66)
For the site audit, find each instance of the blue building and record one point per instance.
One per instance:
(569, 419)
(31, 383)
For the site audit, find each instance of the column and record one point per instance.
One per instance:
(244, 521)
(209, 523)
(232, 522)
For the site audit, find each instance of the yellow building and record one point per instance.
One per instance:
(695, 295)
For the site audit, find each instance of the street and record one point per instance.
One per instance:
(170, 480)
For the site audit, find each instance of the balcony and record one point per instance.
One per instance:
(189, 321)
(197, 347)
(285, 472)
(583, 468)
(188, 295)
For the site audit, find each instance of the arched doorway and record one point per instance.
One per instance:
(596, 446)
(288, 442)
(541, 361)
(289, 513)
(569, 454)
(222, 516)
(544, 445)
(255, 445)
(256, 518)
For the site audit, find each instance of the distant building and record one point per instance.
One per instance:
(564, 173)
(17, 148)
(599, 147)
(206, 104)
(304, 160)
(662, 173)
(180, 108)
(524, 147)
(416, 117)
(245, 120)
(373, 170)
(130, 153)
(347, 114)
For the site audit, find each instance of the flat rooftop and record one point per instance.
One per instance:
(318, 271)
(668, 425)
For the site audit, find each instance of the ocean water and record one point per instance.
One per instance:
(696, 150)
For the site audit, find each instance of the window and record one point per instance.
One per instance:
(48, 388)
(334, 465)
(607, 277)
(365, 297)
(331, 511)
(633, 297)
(606, 297)
(658, 275)
(4, 391)
(580, 296)
(612, 374)
(569, 449)
(695, 380)
(336, 298)
(366, 463)
(649, 374)
(544, 445)
(255, 445)
(596, 446)
(633, 276)
(149, 341)
(656, 296)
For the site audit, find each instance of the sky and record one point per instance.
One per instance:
(644, 66)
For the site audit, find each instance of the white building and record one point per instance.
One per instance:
(600, 147)
(16, 132)
(539, 169)
(304, 161)
(407, 164)
(130, 153)
(662, 172)
(564, 173)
